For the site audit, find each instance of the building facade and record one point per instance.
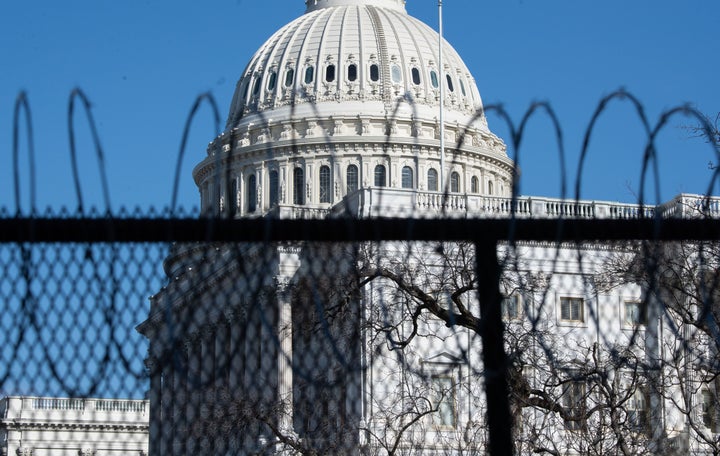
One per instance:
(49, 426)
(375, 348)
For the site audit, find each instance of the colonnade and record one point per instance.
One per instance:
(232, 373)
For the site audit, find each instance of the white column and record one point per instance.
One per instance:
(207, 380)
(180, 399)
(194, 395)
(285, 368)
(155, 393)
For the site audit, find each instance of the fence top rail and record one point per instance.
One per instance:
(94, 230)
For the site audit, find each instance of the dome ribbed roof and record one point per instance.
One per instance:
(354, 56)
(313, 5)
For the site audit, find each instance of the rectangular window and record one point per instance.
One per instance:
(709, 410)
(511, 307)
(572, 309)
(573, 401)
(637, 410)
(444, 401)
(634, 315)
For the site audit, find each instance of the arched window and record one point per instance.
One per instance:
(256, 87)
(490, 188)
(407, 177)
(272, 81)
(233, 197)
(474, 185)
(330, 73)
(432, 180)
(274, 188)
(352, 178)
(380, 178)
(451, 87)
(252, 193)
(415, 76)
(309, 75)
(289, 77)
(298, 186)
(455, 182)
(352, 73)
(374, 73)
(434, 79)
(325, 185)
(396, 74)
(462, 87)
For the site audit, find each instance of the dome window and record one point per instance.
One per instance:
(462, 87)
(289, 77)
(396, 73)
(416, 76)
(380, 178)
(352, 73)
(374, 73)
(309, 75)
(233, 200)
(455, 182)
(450, 85)
(298, 186)
(432, 180)
(490, 188)
(407, 177)
(272, 81)
(274, 188)
(474, 185)
(256, 87)
(330, 73)
(325, 184)
(252, 193)
(352, 178)
(434, 79)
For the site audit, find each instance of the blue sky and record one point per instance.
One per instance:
(142, 62)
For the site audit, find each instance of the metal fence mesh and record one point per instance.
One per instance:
(372, 346)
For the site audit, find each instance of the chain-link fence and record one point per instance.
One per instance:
(398, 322)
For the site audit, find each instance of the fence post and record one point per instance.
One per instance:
(494, 359)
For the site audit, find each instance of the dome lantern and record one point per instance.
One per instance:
(313, 5)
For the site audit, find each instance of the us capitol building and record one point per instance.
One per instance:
(302, 349)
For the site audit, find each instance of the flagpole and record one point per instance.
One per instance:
(442, 100)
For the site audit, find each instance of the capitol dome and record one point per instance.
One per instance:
(345, 89)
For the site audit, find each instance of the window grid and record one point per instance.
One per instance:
(709, 410)
(633, 313)
(572, 309)
(325, 184)
(573, 400)
(445, 401)
(252, 193)
(455, 182)
(298, 186)
(274, 188)
(432, 180)
(637, 410)
(407, 177)
(380, 177)
(474, 185)
(511, 307)
(352, 178)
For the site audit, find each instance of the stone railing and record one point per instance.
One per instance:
(51, 409)
(392, 202)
